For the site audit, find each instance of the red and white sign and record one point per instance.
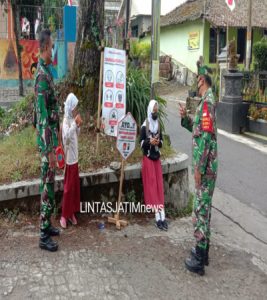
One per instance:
(114, 89)
(230, 4)
(126, 138)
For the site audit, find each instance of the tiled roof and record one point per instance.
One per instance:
(217, 12)
(188, 11)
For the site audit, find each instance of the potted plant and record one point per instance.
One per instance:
(257, 116)
(135, 52)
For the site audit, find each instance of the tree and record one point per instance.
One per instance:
(87, 55)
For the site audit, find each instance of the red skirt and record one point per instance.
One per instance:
(71, 195)
(152, 182)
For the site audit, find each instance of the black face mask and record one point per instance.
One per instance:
(154, 116)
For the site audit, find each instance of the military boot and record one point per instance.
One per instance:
(206, 258)
(195, 263)
(46, 242)
(53, 231)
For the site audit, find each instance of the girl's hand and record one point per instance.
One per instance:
(153, 141)
(78, 120)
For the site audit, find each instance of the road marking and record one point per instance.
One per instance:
(240, 139)
(261, 137)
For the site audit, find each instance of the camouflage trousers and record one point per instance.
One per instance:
(202, 211)
(47, 193)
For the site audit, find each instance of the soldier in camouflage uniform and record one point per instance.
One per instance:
(205, 165)
(47, 125)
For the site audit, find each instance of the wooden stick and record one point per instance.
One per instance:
(120, 189)
(99, 96)
(116, 219)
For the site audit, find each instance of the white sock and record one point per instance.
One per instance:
(157, 216)
(162, 214)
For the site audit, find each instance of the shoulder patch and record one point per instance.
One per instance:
(207, 123)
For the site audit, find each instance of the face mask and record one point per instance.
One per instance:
(154, 116)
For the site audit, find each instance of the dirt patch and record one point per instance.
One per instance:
(137, 262)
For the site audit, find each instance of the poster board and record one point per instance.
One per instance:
(114, 89)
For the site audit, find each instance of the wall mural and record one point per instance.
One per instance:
(9, 61)
(29, 58)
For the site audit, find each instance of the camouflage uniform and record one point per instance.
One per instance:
(47, 125)
(205, 160)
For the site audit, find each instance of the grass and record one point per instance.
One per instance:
(180, 213)
(19, 156)
(20, 114)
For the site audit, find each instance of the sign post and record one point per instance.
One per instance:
(101, 48)
(114, 89)
(126, 138)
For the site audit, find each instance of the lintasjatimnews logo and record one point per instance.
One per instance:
(110, 207)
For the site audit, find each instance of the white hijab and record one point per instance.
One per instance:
(70, 104)
(153, 124)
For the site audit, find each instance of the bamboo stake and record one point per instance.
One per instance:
(99, 96)
(116, 219)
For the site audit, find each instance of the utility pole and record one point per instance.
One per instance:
(126, 28)
(249, 34)
(155, 45)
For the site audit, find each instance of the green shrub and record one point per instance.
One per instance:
(140, 51)
(20, 113)
(256, 112)
(253, 112)
(260, 55)
(215, 77)
(145, 52)
(138, 97)
(2, 113)
(134, 48)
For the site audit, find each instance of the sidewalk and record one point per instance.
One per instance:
(138, 262)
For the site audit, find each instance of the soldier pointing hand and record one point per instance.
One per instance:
(204, 136)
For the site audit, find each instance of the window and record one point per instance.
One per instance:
(213, 43)
(241, 44)
(135, 31)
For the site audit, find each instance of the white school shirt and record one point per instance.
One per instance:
(70, 132)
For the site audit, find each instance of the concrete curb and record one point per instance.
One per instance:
(24, 189)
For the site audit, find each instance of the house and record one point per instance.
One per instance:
(112, 8)
(199, 28)
(140, 14)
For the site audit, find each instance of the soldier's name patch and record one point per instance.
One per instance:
(207, 124)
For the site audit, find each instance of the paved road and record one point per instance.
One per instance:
(242, 169)
(138, 262)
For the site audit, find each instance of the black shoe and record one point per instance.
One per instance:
(46, 242)
(195, 263)
(164, 225)
(52, 231)
(159, 225)
(206, 258)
